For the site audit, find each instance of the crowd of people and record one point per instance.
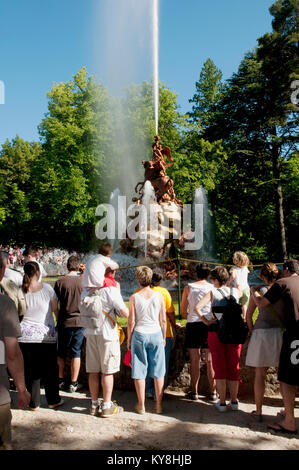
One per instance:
(40, 325)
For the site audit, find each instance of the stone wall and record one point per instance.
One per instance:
(179, 378)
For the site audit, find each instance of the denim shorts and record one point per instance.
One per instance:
(148, 355)
(70, 339)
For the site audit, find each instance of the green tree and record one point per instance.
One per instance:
(16, 160)
(258, 124)
(208, 92)
(68, 187)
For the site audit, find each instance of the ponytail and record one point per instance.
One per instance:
(30, 269)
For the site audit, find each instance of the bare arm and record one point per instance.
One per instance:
(202, 303)
(124, 312)
(171, 317)
(15, 364)
(131, 322)
(259, 300)
(250, 311)
(184, 303)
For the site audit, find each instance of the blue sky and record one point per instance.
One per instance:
(43, 41)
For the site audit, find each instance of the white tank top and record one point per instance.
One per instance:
(147, 313)
(196, 292)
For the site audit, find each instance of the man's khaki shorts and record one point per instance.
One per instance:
(5, 424)
(101, 355)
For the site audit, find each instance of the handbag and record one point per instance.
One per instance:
(128, 358)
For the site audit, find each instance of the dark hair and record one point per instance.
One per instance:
(269, 272)
(105, 249)
(157, 278)
(220, 274)
(4, 256)
(30, 269)
(203, 271)
(30, 251)
(73, 263)
(292, 265)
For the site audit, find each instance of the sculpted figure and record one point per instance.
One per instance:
(155, 172)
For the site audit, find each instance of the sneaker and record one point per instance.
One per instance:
(61, 384)
(192, 396)
(112, 411)
(57, 404)
(221, 407)
(75, 387)
(94, 410)
(234, 405)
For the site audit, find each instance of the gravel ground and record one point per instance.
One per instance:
(184, 425)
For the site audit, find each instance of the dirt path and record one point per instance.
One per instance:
(184, 425)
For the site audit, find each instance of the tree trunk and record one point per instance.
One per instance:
(279, 202)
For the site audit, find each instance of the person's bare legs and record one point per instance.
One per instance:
(107, 385)
(75, 368)
(210, 370)
(194, 355)
(259, 388)
(221, 389)
(140, 391)
(159, 384)
(233, 386)
(61, 365)
(288, 396)
(94, 385)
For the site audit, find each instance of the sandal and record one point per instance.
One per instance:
(255, 414)
(276, 427)
(212, 397)
(192, 396)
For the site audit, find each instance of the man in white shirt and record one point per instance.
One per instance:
(30, 255)
(13, 274)
(96, 266)
(103, 352)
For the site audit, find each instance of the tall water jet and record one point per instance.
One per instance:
(156, 60)
(123, 49)
(207, 251)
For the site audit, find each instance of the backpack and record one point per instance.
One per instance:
(91, 311)
(231, 327)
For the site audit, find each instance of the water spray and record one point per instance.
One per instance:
(156, 60)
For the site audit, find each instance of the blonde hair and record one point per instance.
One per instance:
(269, 272)
(240, 259)
(144, 275)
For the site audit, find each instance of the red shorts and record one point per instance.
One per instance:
(225, 358)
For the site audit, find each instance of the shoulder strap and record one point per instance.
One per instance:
(223, 295)
(114, 323)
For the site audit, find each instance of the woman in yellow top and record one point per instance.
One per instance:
(170, 318)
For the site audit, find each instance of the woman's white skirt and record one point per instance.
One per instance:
(264, 347)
